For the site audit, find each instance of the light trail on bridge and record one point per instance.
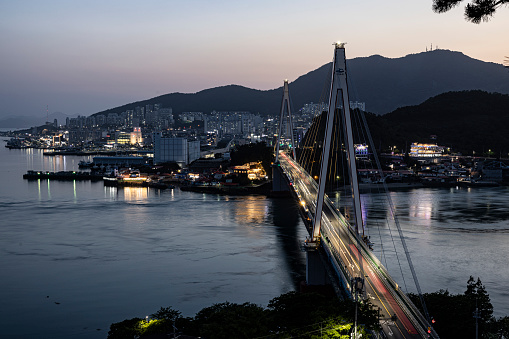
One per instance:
(351, 258)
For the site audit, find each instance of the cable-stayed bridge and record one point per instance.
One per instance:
(338, 252)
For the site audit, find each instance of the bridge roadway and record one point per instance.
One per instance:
(351, 258)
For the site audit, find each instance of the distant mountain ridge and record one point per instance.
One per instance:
(16, 122)
(384, 84)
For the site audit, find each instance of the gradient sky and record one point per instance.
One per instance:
(81, 57)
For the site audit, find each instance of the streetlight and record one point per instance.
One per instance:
(357, 286)
(477, 315)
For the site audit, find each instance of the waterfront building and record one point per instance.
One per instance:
(120, 161)
(495, 171)
(253, 170)
(179, 150)
(361, 151)
(419, 150)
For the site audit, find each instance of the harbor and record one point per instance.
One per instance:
(117, 180)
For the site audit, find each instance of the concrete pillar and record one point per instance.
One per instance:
(279, 181)
(316, 273)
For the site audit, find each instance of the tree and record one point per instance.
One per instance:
(306, 314)
(476, 11)
(479, 298)
(167, 313)
(128, 328)
(230, 320)
(167, 317)
(502, 327)
(454, 312)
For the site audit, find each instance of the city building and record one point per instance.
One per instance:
(179, 150)
(136, 137)
(120, 161)
(426, 150)
(361, 151)
(123, 138)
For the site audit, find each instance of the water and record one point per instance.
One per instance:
(77, 256)
(450, 234)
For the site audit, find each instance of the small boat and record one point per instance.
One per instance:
(482, 183)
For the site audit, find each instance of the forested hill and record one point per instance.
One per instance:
(387, 84)
(384, 84)
(467, 121)
(225, 98)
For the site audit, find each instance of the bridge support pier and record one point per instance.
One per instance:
(316, 274)
(279, 180)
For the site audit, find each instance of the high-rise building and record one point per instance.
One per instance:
(136, 137)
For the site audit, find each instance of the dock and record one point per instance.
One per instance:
(62, 175)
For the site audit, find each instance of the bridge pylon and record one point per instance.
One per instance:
(279, 183)
(338, 102)
(285, 107)
(336, 252)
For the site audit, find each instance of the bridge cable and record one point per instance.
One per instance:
(398, 226)
(309, 149)
(384, 188)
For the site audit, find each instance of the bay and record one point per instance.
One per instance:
(78, 256)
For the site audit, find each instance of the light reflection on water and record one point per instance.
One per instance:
(450, 233)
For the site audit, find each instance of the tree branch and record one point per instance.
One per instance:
(475, 11)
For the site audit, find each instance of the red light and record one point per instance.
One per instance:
(432, 320)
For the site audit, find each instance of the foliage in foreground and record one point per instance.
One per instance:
(293, 314)
(311, 315)
(475, 11)
(454, 313)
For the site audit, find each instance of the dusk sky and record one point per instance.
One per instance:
(87, 56)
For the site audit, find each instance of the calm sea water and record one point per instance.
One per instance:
(77, 256)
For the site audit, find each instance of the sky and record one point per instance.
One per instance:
(82, 57)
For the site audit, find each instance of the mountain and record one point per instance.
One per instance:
(225, 98)
(16, 122)
(466, 121)
(384, 84)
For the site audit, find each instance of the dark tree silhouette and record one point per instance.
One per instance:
(475, 11)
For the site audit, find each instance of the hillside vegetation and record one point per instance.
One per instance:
(466, 121)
